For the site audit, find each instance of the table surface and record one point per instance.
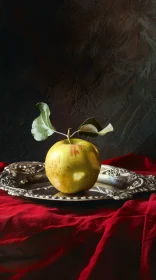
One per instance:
(99, 240)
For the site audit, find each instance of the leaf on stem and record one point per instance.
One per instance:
(92, 128)
(41, 126)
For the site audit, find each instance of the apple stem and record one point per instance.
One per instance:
(68, 135)
(60, 133)
(74, 133)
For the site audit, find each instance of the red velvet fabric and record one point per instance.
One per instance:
(112, 241)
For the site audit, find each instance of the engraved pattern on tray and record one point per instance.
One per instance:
(28, 179)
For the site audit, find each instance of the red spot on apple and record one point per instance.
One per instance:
(76, 151)
(73, 150)
(82, 147)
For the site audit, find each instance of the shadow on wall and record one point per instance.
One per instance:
(84, 58)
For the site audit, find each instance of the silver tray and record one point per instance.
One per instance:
(28, 180)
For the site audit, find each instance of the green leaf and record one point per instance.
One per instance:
(88, 128)
(92, 128)
(92, 121)
(105, 130)
(41, 126)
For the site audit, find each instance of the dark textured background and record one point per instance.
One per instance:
(84, 58)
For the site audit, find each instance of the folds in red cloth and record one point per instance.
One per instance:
(112, 242)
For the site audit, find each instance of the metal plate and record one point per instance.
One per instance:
(28, 179)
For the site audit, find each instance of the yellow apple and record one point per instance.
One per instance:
(72, 167)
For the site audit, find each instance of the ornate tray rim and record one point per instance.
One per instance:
(146, 184)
